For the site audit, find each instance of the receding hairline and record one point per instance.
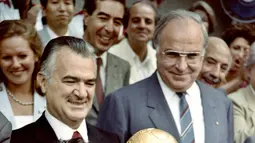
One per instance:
(177, 21)
(217, 42)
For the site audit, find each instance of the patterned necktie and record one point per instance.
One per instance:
(187, 132)
(76, 138)
(7, 2)
(99, 86)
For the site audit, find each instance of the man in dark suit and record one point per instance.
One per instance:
(67, 78)
(102, 23)
(171, 99)
(5, 129)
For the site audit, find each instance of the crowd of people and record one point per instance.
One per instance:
(109, 72)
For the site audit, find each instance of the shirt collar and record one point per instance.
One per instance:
(53, 34)
(103, 56)
(193, 90)
(63, 131)
(148, 56)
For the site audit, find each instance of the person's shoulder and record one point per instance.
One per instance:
(119, 61)
(239, 95)
(214, 93)
(23, 134)
(135, 90)
(95, 132)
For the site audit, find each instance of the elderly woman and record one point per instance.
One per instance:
(239, 38)
(244, 104)
(20, 52)
(206, 13)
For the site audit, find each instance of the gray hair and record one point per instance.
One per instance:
(48, 60)
(251, 59)
(178, 14)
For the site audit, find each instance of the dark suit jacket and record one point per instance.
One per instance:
(250, 140)
(5, 129)
(41, 132)
(143, 105)
(116, 76)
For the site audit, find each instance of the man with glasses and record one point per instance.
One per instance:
(171, 99)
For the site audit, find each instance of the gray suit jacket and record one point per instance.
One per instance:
(143, 105)
(117, 76)
(250, 140)
(5, 129)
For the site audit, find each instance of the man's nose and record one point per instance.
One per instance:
(215, 72)
(82, 90)
(62, 6)
(109, 27)
(181, 63)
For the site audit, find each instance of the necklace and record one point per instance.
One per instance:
(17, 100)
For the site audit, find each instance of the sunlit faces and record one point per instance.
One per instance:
(59, 13)
(216, 63)
(141, 23)
(70, 89)
(184, 35)
(17, 60)
(239, 49)
(103, 26)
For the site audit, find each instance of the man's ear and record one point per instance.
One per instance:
(86, 17)
(41, 80)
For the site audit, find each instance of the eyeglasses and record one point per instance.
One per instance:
(172, 56)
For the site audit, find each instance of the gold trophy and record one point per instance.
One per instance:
(152, 135)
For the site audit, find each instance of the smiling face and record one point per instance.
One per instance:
(103, 26)
(17, 60)
(70, 89)
(141, 23)
(183, 35)
(216, 63)
(59, 13)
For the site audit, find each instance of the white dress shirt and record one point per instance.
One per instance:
(139, 70)
(53, 34)
(64, 132)
(22, 121)
(103, 66)
(193, 99)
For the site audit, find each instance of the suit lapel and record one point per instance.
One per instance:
(209, 113)
(160, 113)
(44, 132)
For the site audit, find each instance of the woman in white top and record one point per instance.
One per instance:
(20, 52)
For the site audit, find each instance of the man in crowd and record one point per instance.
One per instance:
(67, 78)
(5, 129)
(58, 15)
(103, 20)
(142, 18)
(217, 62)
(170, 99)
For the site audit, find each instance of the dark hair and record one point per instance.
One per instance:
(44, 4)
(76, 45)
(10, 28)
(91, 5)
(245, 31)
(146, 2)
